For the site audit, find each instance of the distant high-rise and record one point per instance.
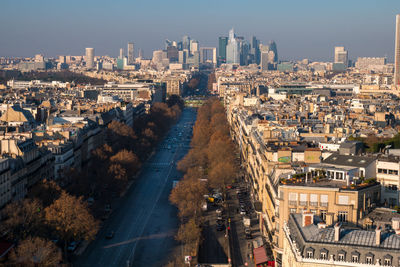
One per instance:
(194, 46)
(121, 53)
(341, 55)
(89, 57)
(397, 53)
(232, 49)
(222, 43)
(140, 53)
(273, 48)
(131, 54)
(255, 50)
(186, 43)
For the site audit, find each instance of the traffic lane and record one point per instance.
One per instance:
(157, 241)
(121, 220)
(126, 224)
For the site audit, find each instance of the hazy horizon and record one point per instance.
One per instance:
(307, 29)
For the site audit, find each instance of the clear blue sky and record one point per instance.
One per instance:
(301, 28)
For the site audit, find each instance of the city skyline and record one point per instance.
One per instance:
(365, 28)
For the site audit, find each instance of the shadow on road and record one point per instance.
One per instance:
(211, 250)
(149, 237)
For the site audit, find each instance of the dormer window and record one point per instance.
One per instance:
(369, 258)
(341, 255)
(387, 260)
(355, 256)
(324, 254)
(310, 253)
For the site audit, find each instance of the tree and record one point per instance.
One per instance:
(188, 196)
(221, 174)
(128, 160)
(22, 218)
(36, 252)
(70, 218)
(45, 191)
(118, 172)
(189, 232)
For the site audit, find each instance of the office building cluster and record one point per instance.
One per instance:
(236, 50)
(186, 54)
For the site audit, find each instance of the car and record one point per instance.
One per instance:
(219, 217)
(219, 211)
(72, 246)
(247, 230)
(249, 236)
(220, 221)
(110, 235)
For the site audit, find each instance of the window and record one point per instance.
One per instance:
(354, 258)
(293, 210)
(387, 262)
(324, 254)
(342, 216)
(303, 199)
(341, 257)
(292, 198)
(324, 200)
(323, 215)
(343, 200)
(314, 200)
(310, 254)
(369, 260)
(361, 173)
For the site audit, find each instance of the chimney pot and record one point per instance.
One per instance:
(337, 232)
(378, 231)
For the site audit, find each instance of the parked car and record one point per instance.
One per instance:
(110, 235)
(72, 246)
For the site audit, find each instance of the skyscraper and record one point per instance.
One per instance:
(255, 50)
(222, 43)
(121, 53)
(273, 48)
(89, 57)
(186, 43)
(232, 49)
(341, 55)
(397, 53)
(131, 54)
(194, 46)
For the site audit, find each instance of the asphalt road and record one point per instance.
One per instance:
(146, 222)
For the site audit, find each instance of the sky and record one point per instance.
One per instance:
(301, 28)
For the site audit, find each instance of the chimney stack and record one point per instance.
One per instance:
(308, 219)
(378, 231)
(337, 232)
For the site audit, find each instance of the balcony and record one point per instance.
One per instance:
(293, 202)
(303, 203)
(314, 203)
(324, 204)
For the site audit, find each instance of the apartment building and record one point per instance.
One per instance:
(310, 242)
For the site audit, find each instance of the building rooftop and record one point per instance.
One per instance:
(348, 236)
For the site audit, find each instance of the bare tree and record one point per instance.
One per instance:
(36, 252)
(70, 218)
(22, 218)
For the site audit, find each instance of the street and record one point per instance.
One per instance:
(146, 222)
